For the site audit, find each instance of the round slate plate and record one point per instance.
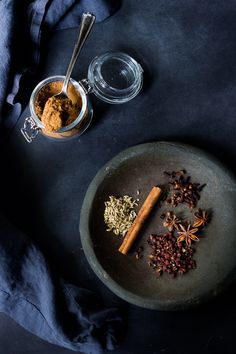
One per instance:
(141, 167)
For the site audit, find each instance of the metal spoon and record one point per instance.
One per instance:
(87, 22)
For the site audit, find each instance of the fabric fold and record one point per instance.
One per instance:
(58, 312)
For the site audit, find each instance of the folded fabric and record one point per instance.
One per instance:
(23, 25)
(56, 311)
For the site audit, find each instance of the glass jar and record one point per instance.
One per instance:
(113, 77)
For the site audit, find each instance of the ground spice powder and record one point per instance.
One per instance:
(57, 112)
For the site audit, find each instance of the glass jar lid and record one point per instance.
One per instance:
(115, 77)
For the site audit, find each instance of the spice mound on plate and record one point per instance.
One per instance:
(170, 256)
(183, 191)
(119, 214)
(57, 112)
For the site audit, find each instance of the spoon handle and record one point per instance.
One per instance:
(87, 22)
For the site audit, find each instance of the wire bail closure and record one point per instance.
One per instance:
(84, 83)
(30, 129)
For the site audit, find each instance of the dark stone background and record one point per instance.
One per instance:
(188, 52)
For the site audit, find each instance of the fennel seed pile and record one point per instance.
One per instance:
(119, 214)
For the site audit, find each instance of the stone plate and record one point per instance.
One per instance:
(140, 168)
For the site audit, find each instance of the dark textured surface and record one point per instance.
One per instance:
(188, 52)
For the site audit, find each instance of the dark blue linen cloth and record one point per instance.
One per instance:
(54, 310)
(30, 293)
(24, 26)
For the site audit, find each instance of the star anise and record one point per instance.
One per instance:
(187, 234)
(202, 218)
(171, 221)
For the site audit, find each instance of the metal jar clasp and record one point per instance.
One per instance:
(86, 86)
(30, 129)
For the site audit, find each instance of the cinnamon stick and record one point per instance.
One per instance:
(143, 213)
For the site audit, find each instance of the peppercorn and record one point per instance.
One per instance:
(167, 255)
